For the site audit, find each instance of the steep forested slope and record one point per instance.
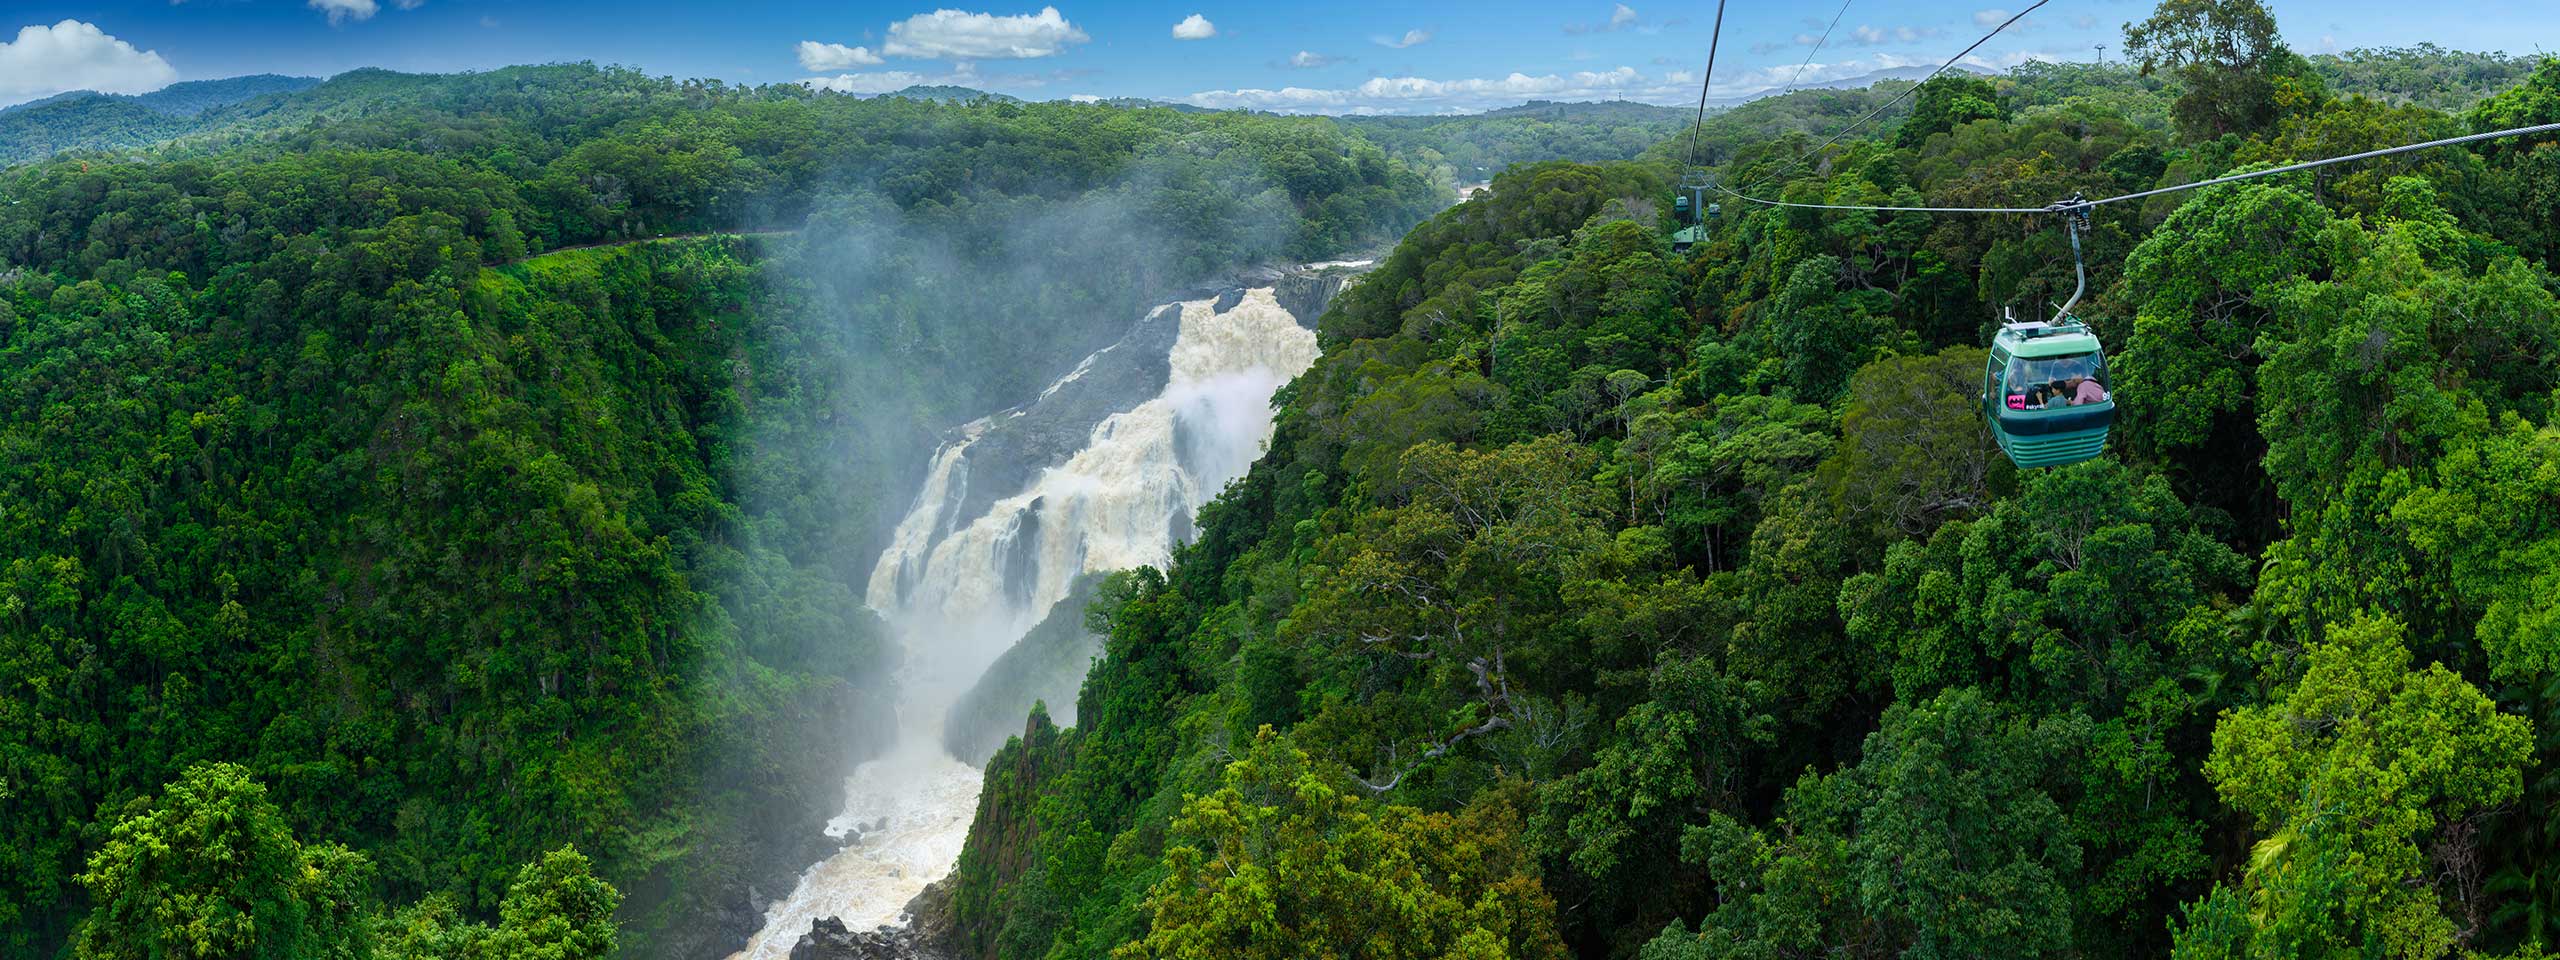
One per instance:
(455, 562)
(335, 512)
(1598, 599)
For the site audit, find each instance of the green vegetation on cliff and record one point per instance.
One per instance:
(338, 455)
(1693, 588)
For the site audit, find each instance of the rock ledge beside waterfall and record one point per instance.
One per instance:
(924, 937)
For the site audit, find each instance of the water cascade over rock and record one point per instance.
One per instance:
(1102, 472)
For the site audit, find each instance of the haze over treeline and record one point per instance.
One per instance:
(434, 512)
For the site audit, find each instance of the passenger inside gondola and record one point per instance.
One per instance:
(2047, 382)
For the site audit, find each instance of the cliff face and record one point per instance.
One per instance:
(942, 924)
(1001, 839)
(1045, 667)
(1307, 294)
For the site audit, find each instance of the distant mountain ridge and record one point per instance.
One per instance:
(1587, 109)
(89, 120)
(947, 93)
(229, 109)
(184, 99)
(1859, 82)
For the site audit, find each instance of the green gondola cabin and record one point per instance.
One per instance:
(1693, 228)
(2047, 394)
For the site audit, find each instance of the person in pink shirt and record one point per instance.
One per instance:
(2088, 392)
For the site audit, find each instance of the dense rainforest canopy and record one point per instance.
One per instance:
(1599, 600)
(386, 572)
(341, 485)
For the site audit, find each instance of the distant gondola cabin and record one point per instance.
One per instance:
(2047, 393)
(1685, 210)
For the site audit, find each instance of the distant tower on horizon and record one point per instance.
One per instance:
(2102, 52)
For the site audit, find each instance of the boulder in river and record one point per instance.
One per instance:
(829, 940)
(923, 938)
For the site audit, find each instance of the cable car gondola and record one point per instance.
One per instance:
(1685, 209)
(2046, 391)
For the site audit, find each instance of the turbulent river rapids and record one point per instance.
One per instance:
(1095, 475)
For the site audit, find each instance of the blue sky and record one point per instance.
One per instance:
(1333, 56)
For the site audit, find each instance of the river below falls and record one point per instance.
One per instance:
(914, 808)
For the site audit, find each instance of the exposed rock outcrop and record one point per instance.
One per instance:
(925, 937)
(1306, 295)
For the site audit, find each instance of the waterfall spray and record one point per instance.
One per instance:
(958, 590)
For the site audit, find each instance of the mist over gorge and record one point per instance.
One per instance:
(970, 572)
(581, 538)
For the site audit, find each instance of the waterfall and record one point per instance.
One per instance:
(960, 589)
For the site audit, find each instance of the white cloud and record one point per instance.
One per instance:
(1867, 36)
(1621, 17)
(1424, 95)
(1083, 98)
(341, 11)
(960, 35)
(1410, 95)
(1194, 27)
(1309, 60)
(884, 81)
(73, 55)
(835, 56)
(1995, 16)
(1772, 79)
(1411, 38)
(963, 74)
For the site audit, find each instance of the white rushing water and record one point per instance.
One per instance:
(1119, 502)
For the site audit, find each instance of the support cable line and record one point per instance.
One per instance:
(1713, 40)
(2076, 204)
(2367, 155)
(1845, 206)
(1897, 98)
(1817, 48)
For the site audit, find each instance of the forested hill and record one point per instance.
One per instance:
(357, 593)
(84, 120)
(217, 115)
(1605, 600)
(1473, 148)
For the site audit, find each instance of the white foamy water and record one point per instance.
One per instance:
(943, 582)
